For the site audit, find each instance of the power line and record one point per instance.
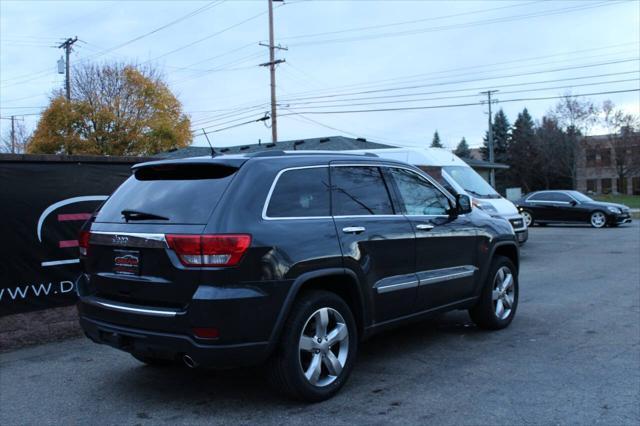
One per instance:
(191, 14)
(414, 21)
(296, 96)
(416, 108)
(460, 25)
(466, 96)
(418, 77)
(185, 46)
(467, 81)
(108, 50)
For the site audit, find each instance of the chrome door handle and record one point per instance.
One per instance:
(354, 229)
(425, 226)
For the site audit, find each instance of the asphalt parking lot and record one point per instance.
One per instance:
(572, 355)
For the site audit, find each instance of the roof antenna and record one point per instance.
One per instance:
(213, 151)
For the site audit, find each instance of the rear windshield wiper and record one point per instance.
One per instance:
(137, 215)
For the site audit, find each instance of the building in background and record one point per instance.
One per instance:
(609, 164)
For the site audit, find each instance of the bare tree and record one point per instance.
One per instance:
(622, 131)
(21, 139)
(576, 117)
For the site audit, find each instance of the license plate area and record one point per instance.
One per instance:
(126, 262)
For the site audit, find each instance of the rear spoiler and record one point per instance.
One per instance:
(236, 162)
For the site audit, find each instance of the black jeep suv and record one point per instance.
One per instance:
(286, 258)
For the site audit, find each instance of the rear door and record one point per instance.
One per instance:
(377, 243)
(129, 259)
(543, 206)
(445, 245)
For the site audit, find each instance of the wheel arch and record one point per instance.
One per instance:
(509, 250)
(340, 281)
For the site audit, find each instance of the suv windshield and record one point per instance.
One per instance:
(171, 193)
(471, 181)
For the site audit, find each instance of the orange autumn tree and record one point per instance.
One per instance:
(114, 110)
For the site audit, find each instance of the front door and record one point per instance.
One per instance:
(377, 243)
(445, 245)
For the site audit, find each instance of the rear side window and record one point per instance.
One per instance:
(359, 191)
(177, 194)
(301, 193)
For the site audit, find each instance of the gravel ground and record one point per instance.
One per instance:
(572, 356)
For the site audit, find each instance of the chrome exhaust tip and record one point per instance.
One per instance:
(189, 362)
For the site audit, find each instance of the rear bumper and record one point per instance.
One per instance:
(245, 317)
(174, 346)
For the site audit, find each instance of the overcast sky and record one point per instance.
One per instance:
(342, 56)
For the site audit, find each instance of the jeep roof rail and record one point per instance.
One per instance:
(280, 153)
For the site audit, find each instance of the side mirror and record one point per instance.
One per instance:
(463, 204)
(573, 203)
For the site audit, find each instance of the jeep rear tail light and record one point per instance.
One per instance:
(209, 250)
(83, 242)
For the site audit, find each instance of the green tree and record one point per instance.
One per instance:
(550, 143)
(462, 150)
(522, 153)
(114, 110)
(501, 135)
(435, 143)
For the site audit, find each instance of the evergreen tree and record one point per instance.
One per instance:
(501, 134)
(462, 149)
(522, 153)
(435, 143)
(551, 141)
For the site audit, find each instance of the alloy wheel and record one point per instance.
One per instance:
(598, 219)
(503, 293)
(527, 218)
(323, 347)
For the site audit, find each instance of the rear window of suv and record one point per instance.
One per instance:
(301, 193)
(177, 194)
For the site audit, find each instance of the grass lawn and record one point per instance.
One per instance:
(632, 201)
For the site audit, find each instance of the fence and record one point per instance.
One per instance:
(44, 200)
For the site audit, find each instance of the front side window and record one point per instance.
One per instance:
(359, 190)
(301, 193)
(419, 197)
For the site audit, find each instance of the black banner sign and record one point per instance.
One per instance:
(42, 207)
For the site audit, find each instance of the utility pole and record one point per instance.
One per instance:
(13, 134)
(67, 46)
(272, 69)
(492, 177)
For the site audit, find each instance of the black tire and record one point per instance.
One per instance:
(533, 220)
(599, 224)
(285, 370)
(484, 313)
(154, 361)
